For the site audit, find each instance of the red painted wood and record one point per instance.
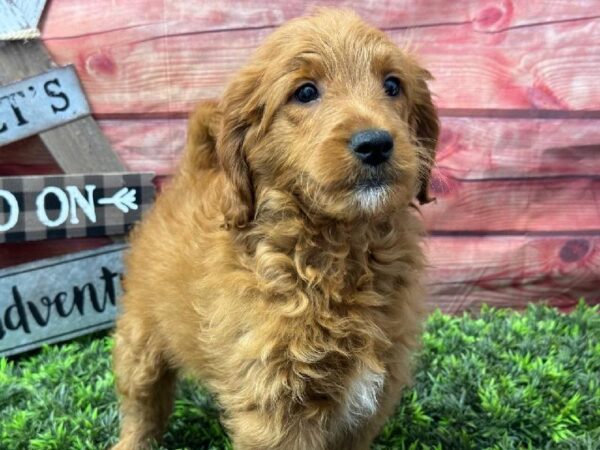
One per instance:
(513, 271)
(66, 17)
(166, 64)
(519, 205)
(27, 157)
(147, 145)
(13, 170)
(479, 148)
(20, 253)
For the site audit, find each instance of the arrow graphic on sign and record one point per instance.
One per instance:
(124, 199)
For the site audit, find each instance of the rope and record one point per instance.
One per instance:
(30, 33)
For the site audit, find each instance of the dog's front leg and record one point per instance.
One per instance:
(145, 383)
(254, 429)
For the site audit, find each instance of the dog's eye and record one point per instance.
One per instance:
(392, 86)
(306, 93)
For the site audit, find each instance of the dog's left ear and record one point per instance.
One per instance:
(425, 122)
(238, 114)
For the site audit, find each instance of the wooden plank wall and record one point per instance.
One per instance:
(517, 83)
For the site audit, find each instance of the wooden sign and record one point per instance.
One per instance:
(66, 206)
(60, 298)
(56, 299)
(77, 146)
(19, 19)
(40, 103)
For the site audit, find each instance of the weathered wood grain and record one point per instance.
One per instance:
(12, 19)
(66, 17)
(31, 9)
(165, 66)
(466, 272)
(514, 205)
(479, 148)
(147, 143)
(20, 60)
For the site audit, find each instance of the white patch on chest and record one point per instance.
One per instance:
(363, 397)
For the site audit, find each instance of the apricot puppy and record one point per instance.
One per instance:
(282, 265)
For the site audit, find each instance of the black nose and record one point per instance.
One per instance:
(373, 147)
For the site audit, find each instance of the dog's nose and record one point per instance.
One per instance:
(372, 147)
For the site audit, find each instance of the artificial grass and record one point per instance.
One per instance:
(497, 380)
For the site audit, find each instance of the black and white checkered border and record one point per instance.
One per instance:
(109, 219)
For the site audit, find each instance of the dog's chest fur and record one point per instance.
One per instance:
(328, 292)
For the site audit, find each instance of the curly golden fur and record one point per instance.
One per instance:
(276, 267)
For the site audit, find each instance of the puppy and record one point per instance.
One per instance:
(282, 265)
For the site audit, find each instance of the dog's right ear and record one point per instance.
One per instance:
(426, 123)
(239, 112)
